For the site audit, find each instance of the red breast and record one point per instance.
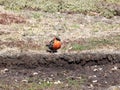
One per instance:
(56, 44)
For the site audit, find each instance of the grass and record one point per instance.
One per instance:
(44, 85)
(35, 33)
(97, 43)
(102, 26)
(41, 23)
(75, 26)
(114, 1)
(36, 15)
(74, 82)
(80, 47)
(77, 6)
(26, 86)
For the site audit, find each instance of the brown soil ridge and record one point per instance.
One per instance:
(6, 18)
(66, 60)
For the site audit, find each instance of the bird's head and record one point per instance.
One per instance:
(57, 38)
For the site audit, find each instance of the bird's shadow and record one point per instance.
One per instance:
(52, 51)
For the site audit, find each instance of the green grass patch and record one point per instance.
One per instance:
(75, 26)
(101, 42)
(102, 26)
(44, 85)
(36, 15)
(26, 86)
(80, 47)
(97, 43)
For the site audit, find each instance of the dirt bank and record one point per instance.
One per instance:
(30, 60)
(74, 71)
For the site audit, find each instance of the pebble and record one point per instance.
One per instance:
(100, 69)
(35, 73)
(25, 81)
(94, 81)
(48, 82)
(94, 76)
(39, 83)
(51, 75)
(91, 86)
(79, 77)
(114, 68)
(106, 82)
(57, 82)
(95, 70)
(4, 70)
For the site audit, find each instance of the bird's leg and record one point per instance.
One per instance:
(48, 50)
(54, 51)
(51, 51)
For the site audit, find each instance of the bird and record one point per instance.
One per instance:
(54, 45)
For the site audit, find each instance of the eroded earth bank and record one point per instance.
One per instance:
(67, 71)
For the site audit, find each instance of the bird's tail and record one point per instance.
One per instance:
(47, 45)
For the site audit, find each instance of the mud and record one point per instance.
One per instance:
(30, 60)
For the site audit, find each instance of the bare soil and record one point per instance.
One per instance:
(98, 70)
(6, 19)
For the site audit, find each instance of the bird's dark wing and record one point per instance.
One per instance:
(50, 45)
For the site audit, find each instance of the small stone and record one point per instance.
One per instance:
(48, 82)
(89, 77)
(70, 48)
(94, 76)
(94, 81)
(95, 66)
(35, 73)
(91, 85)
(39, 83)
(4, 70)
(106, 82)
(79, 77)
(51, 75)
(57, 82)
(100, 69)
(16, 80)
(95, 70)
(114, 68)
(25, 81)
